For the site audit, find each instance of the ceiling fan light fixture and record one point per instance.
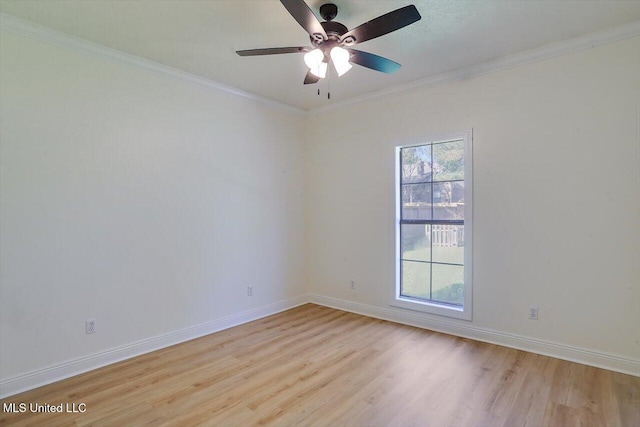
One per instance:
(320, 70)
(341, 69)
(313, 58)
(327, 37)
(315, 61)
(340, 58)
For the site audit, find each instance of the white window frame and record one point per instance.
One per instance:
(466, 311)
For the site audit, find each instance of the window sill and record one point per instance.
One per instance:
(463, 313)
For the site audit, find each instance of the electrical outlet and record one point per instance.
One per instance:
(249, 291)
(533, 313)
(353, 284)
(90, 326)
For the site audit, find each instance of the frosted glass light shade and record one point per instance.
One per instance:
(315, 62)
(313, 58)
(340, 58)
(320, 70)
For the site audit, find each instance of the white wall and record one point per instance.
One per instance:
(556, 197)
(137, 200)
(150, 204)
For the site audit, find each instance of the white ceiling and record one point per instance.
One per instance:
(201, 36)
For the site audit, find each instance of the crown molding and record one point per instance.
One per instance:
(552, 50)
(16, 25)
(25, 28)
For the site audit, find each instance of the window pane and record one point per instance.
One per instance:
(415, 242)
(448, 161)
(448, 199)
(416, 164)
(415, 279)
(448, 283)
(431, 229)
(416, 201)
(448, 243)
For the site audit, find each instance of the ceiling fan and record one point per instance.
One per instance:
(331, 41)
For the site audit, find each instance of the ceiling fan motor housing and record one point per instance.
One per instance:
(334, 30)
(328, 11)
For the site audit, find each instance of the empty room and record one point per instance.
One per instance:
(313, 213)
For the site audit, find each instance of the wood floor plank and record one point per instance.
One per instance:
(316, 366)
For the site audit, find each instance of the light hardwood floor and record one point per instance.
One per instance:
(316, 366)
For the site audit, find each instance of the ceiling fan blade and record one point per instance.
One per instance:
(305, 17)
(372, 61)
(382, 25)
(310, 78)
(272, 51)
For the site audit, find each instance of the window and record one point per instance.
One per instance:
(433, 226)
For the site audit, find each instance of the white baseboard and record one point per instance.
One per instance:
(31, 380)
(546, 348)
